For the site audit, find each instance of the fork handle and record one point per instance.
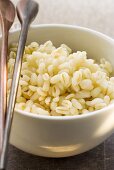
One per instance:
(3, 83)
(13, 92)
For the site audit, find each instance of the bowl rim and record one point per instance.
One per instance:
(65, 26)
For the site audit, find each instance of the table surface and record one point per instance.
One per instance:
(95, 14)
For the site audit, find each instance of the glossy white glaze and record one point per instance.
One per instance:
(65, 136)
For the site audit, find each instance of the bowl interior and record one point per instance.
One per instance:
(95, 44)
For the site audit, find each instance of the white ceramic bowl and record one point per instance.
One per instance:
(65, 136)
